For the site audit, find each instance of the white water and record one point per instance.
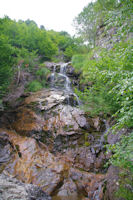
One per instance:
(53, 76)
(62, 73)
(66, 85)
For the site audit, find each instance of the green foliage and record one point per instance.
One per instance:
(86, 24)
(34, 86)
(123, 153)
(23, 43)
(42, 65)
(107, 76)
(69, 52)
(111, 82)
(29, 58)
(125, 192)
(123, 158)
(27, 35)
(108, 13)
(78, 61)
(6, 62)
(42, 73)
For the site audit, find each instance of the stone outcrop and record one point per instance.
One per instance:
(106, 39)
(49, 112)
(112, 183)
(12, 189)
(31, 162)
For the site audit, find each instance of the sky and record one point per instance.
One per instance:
(53, 14)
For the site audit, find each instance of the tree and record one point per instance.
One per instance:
(86, 24)
(6, 62)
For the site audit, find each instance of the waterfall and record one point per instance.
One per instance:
(67, 83)
(63, 68)
(52, 78)
(61, 81)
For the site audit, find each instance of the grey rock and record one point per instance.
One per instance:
(5, 148)
(112, 183)
(112, 138)
(68, 191)
(12, 189)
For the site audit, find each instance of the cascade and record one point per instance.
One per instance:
(53, 76)
(65, 84)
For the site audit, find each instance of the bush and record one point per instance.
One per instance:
(42, 73)
(78, 61)
(111, 75)
(34, 86)
(123, 158)
(29, 58)
(123, 152)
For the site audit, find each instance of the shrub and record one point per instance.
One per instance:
(42, 73)
(78, 61)
(111, 75)
(123, 152)
(123, 158)
(34, 86)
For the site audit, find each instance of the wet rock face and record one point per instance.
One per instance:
(27, 122)
(54, 145)
(12, 189)
(69, 71)
(81, 186)
(47, 111)
(84, 159)
(33, 163)
(68, 190)
(65, 120)
(90, 185)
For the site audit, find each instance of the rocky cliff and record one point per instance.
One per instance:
(50, 148)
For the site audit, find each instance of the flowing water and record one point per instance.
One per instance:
(53, 76)
(61, 81)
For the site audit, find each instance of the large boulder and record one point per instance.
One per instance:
(12, 189)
